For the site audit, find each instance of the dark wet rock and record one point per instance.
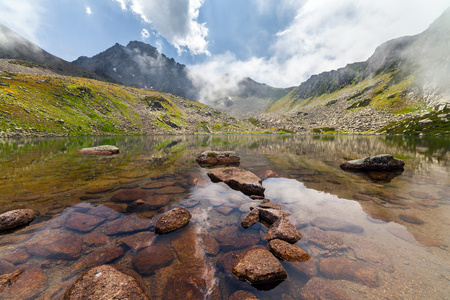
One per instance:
(104, 211)
(27, 285)
(419, 194)
(172, 220)
(17, 257)
(131, 195)
(231, 238)
(16, 218)
(214, 158)
(171, 190)
(99, 150)
(242, 295)
(138, 240)
(149, 203)
(98, 257)
(307, 268)
(288, 251)
(251, 218)
(127, 225)
(283, 230)
(326, 223)
(258, 266)
(106, 282)
(346, 269)
(9, 279)
(225, 210)
(410, 219)
(96, 239)
(318, 289)
(382, 162)
(266, 203)
(378, 175)
(83, 222)
(323, 239)
(152, 258)
(272, 215)
(238, 179)
(56, 245)
(210, 245)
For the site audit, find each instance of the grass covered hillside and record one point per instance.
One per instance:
(33, 105)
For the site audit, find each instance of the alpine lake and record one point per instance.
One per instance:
(88, 215)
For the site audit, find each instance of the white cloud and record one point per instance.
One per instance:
(175, 20)
(88, 10)
(144, 34)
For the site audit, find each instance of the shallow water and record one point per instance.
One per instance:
(87, 216)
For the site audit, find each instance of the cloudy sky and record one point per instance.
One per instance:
(278, 42)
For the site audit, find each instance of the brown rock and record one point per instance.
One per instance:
(6, 267)
(96, 239)
(131, 195)
(258, 266)
(375, 258)
(272, 215)
(428, 203)
(283, 230)
(326, 223)
(152, 258)
(186, 245)
(171, 190)
(138, 240)
(362, 197)
(225, 210)
(99, 150)
(323, 239)
(119, 208)
(27, 285)
(251, 218)
(267, 204)
(238, 179)
(382, 162)
(318, 289)
(378, 175)
(420, 194)
(346, 269)
(270, 174)
(106, 282)
(210, 245)
(149, 203)
(127, 225)
(403, 234)
(256, 197)
(98, 257)
(288, 251)
(8, 279)
(307, 268)
(242, 295)
(16, 218)
(214, 158)
(105, 212)
(231, 238)
(17, 257)
(410, 219)
(172, 220)
(56, 246)
(83, 222)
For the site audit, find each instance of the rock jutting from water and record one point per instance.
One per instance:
(288, 251)
(382, 162)
(238, 179)
(16, 218)
(172, 220)
(99, 150)
(213, 158)
(283, 230)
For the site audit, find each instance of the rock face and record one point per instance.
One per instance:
(288, 251)
(238, 179)
(212, 158)
(16, 218)
(172, 220)
(283, 230)
(318, 289)
(382, 162)
(258, 266)
(106, 282)
(346, 269)
(326, 223)
(99, 150)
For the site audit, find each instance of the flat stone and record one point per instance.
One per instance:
(99, 150)
(106, 282)
(138, 240)
(189, 203)
(318, 289)
(266, 203)
(131, 195)
(210, 245)
(362, 197)
(231, 238)
(410, 219)
(238, 179)
(225, 210)
(96, 239)
(419, 194)
(55, 246)
(258, 266)
(157, 184)
(16, 218)
(149, 203)
(242, 295)
(272, 215)
(83, 222)
(172, 220)
(170, 190)
(214, 158)
(127, 225)
(288, 251)
(307, 268)
(323, 239)
(251, 218)
(326, 223)
(283, 230)
(17, 257)
(27, 285)
(98, 257)
(105, 212)
(382, 162)
(346, 269)
(152, 258)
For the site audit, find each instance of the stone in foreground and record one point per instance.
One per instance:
(213, 158)
(288, 251)
(258, 266)
(382, 162)
(283, 230)
(172, 220)
(251, 218)
(106, 282)
(238, 179)
(99, 150)
(16, 218)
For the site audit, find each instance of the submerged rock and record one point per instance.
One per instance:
(332, 224)
(346, 269)
(55, 245)
(99, 150)
(152, 258)
(218, 158)
(317, 288)
(288, 251)
(26, 285)
(16, 218)
(172, 220)
(238, 179)
(382, 162)
(272, 215)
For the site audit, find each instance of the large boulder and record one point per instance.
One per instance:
(238, 179)
(16, 218)
(172, 220)
(212, 158)
(382, 162)
(106, 282)
(99, 150)
(258, 266)
(283, 230)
